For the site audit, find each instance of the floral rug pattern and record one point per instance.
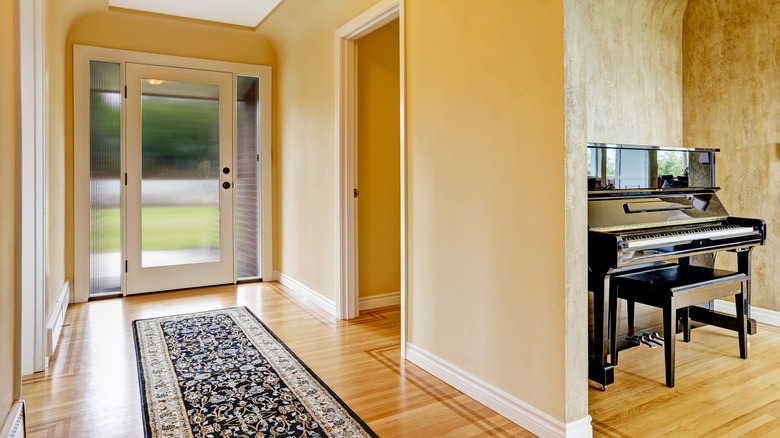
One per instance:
(222, 373)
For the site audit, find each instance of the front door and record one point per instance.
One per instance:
(179, 178)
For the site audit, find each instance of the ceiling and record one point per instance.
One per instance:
(239, 12)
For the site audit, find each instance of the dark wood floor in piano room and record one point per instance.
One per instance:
(716, 393)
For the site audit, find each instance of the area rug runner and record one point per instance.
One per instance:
(224, 373)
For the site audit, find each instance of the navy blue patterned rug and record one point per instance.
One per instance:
(224, 373)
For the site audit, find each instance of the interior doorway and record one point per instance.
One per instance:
(378, 177)
(347, 298)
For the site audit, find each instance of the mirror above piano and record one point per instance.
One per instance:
(622, 167)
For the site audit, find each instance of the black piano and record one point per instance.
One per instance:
(649, 207)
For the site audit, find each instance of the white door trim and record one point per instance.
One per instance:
(33, 180)
(81, 57)
(347, 303)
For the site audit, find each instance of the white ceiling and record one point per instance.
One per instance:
(241, 12)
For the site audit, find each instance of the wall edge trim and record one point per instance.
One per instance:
(57, 319)
(514, 409)
(384, 300)
(764, 316)
(307, 293)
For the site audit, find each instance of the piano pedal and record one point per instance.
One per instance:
(642, 339)
(654, 338)
(645, 339)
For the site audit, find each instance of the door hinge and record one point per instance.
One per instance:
(258, 158)
(357, 192)
(125, 91)
(125, 178)
(125, 266)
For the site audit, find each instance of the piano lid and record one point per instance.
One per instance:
(662, 210)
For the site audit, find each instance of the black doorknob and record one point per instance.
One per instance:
(226, 185)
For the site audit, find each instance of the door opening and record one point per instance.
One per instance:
(172, 172)
(378, 168)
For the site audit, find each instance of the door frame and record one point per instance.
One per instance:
(347, 299)
(32, 181)
(81, 57)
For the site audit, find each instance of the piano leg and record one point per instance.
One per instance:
(743, 265)
(727, 321)
(599, 368)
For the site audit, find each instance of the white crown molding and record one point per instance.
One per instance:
(516, 410)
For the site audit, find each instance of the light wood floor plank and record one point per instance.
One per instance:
(91, 386)
(716, 393)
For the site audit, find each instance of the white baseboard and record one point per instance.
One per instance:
(764, 316)
(516, 410)
(13, 426)
(56, 319)
(308, 294)
(376, 301)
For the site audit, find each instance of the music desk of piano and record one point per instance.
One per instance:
(632, 230)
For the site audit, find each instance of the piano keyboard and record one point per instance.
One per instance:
(651, 240)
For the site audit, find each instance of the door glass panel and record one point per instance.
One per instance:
(180, 173)
(105, 259)
(247, 173)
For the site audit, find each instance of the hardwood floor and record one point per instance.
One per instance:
(716, 393)
(91, 386)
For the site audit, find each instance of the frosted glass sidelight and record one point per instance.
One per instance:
(180, 173)
(247, 176)
(105, 166)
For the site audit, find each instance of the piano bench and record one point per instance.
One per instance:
(673, 288)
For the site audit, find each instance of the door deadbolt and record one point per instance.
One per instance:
(225, 170)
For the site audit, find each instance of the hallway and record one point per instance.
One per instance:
(91, 386)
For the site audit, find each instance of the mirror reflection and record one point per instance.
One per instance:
(630, 167)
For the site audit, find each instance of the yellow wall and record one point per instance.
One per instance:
(634, 71)
(8, 114)
(485, 160)
(731, 85)
(379, 162)
(303, 33)
(485, 126)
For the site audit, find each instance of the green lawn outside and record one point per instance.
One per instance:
(163, 228)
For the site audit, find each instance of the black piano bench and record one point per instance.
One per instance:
(678, 287)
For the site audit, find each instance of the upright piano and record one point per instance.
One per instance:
(649, 207)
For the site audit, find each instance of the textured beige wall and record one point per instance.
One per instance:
(303, 33)
(575, 27)
(379, 162)
(634, 71)
(731, 84)
(8, 114)
(486, 206)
